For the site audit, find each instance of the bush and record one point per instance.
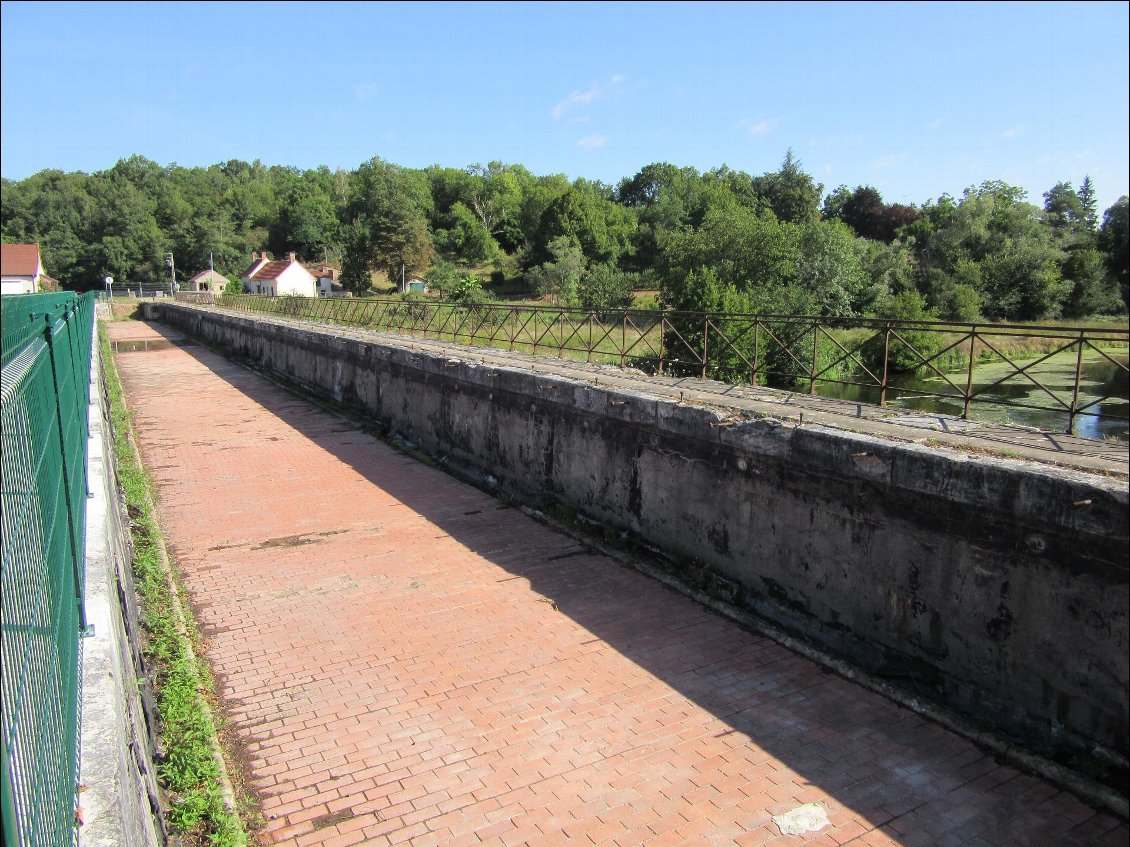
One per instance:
(902, 359)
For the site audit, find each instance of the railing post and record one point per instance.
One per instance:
(756, 349)
(886, 365)
(1072, 412)
(662, 341)
(812, 367)
(969, 373)
(623, 339)
(705, 343)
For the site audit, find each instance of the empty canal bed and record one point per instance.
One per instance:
(404, 659)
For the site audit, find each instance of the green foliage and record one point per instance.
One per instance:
(1114, 240)
(601, 228)
(604, 288)
(986, 253)
(467, 238)
(906, 348)
(792, 195)
(741, 248)
(829, 269)
(467, 290)
(560, 277)
(443, 276)
(387, 230)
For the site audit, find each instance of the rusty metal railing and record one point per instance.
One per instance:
(871, 359)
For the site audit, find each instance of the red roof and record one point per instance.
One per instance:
(254, 264)
(19, 259)
(271, 270)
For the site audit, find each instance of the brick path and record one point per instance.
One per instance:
(406, 660)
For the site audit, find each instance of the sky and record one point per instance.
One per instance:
(915, 99)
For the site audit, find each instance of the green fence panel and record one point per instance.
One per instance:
(45, 348)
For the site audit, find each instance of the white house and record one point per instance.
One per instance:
(277, 278)
(328, 286)
(21, 270)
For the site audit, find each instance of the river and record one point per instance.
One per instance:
(1101, 379)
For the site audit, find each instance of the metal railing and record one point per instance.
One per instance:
(45, 351)
(957, 366)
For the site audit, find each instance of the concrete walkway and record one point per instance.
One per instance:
(407, 660)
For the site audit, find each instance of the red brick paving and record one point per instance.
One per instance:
(408, 661)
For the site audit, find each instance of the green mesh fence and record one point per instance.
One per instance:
(45, 348)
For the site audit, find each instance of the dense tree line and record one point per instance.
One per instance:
(718, 240)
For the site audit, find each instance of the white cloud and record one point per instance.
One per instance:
(1013, 132)
(885, 162)
(761, 127)
(592, 142)
(577, 98)
(936, 124)
(583, 98)
(364, 93)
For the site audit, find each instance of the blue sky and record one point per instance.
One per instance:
(916, 99)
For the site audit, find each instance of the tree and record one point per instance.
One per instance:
(1088, 206)
(792, 194)
(468, 238)
(828, 268)
(1062, 210)
(605, 288)
(1092, 292)
(601, 228)
(559, 278)
(495, 197)
(864, 211)
(992, 239)
(387, 230)
(443, 276)
(751, 252)
(1114, 239)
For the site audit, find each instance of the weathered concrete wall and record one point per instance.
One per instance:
(998, 588)
(120, 803)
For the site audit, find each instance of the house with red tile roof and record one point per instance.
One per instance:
(276, 278)
(21, 270)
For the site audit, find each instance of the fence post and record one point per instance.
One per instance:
(1075, 391)
(756, 349)
(705, 342)
(886, 365)
(72, 530)
(969, 373)
(812, 367)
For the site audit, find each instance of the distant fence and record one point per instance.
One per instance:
(46, 354)
(954, 366)
(138, 289)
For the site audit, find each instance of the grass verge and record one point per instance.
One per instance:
(192, 771)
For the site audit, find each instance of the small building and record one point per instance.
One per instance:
(22, 271)
(327, 280)
(416, 286)
(207, 280)
(278, 278)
